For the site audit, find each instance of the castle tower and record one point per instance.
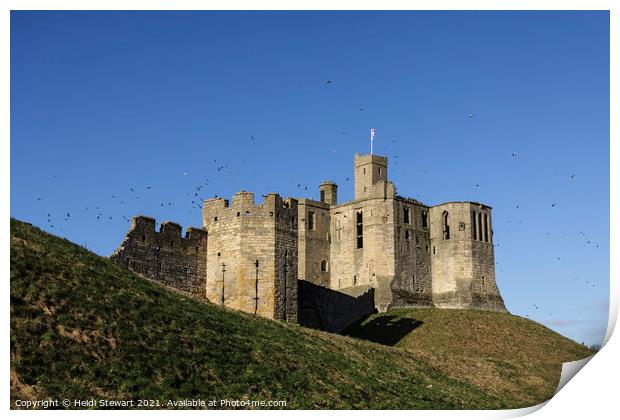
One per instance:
(329, 193)
(252, 259)
(462, 257)
(369, 170)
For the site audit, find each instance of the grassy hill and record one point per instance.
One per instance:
(83, 327)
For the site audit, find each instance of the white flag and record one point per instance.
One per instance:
(372, 137)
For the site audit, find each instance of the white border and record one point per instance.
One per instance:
(594, 394)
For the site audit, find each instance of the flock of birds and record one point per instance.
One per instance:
(197, 194)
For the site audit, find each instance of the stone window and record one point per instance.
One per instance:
(322, 196)
(311, 220)
(413, 280)
(354, 280)
(238, 213)
(483, 280)
(270, 214)
(433, 250)
(446, 225)
(379, 170)
(424, 218)
(486, 228)
(324, 267)
(215, 219)
(171, 244)
(474, 231)
(360, 229)
(479, 226)
(364, 171)
(406, 215)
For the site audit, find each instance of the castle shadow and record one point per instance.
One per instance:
(387, 330)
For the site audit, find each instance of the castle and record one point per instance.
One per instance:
(323, 264)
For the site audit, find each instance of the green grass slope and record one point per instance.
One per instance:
(505, 355)
(83, 327)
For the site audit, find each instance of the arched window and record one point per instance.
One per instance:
(446, 226)
(474, 231)
(486, 228)
(324, 266)
(479, 226)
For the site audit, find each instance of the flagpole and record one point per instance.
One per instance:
(372, 137)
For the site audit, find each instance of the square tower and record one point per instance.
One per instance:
(369, 169)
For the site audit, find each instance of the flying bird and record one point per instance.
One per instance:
(328, 82)
(471, 115)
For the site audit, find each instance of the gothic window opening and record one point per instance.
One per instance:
(486, 228)
(446, 226)
(474, 231)
(360, 230)
(424, 219)
(406, 215)
(322, 196)
(311, 220)
(324, 267)
(479, 226)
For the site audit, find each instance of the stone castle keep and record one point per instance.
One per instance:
(323, 264)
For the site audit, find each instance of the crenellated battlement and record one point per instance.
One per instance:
(250, 255)
(165, 255)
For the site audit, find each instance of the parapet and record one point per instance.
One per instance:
(366, 159)
(170, 229)
(142, 222)
(243, 199)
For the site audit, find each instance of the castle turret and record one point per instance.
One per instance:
(462, 257)
(329, 193)
(369, 170)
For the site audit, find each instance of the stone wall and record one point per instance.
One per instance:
(314, 241)
(463, 267)
(252, 257)
(412, 285)
(165, 256)
(330, 310)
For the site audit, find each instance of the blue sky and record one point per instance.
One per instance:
(106, 102)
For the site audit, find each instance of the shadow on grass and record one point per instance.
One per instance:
(387, 330)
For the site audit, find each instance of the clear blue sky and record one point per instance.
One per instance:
(102, 102)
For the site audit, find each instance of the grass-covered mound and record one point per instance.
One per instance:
(83, 327)
(505, 355)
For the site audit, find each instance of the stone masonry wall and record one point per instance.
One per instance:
(165, 256)
(462, 267)
(330, 310)
(412, 285)
(244, 235)
(372, 264)
(314, 241)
